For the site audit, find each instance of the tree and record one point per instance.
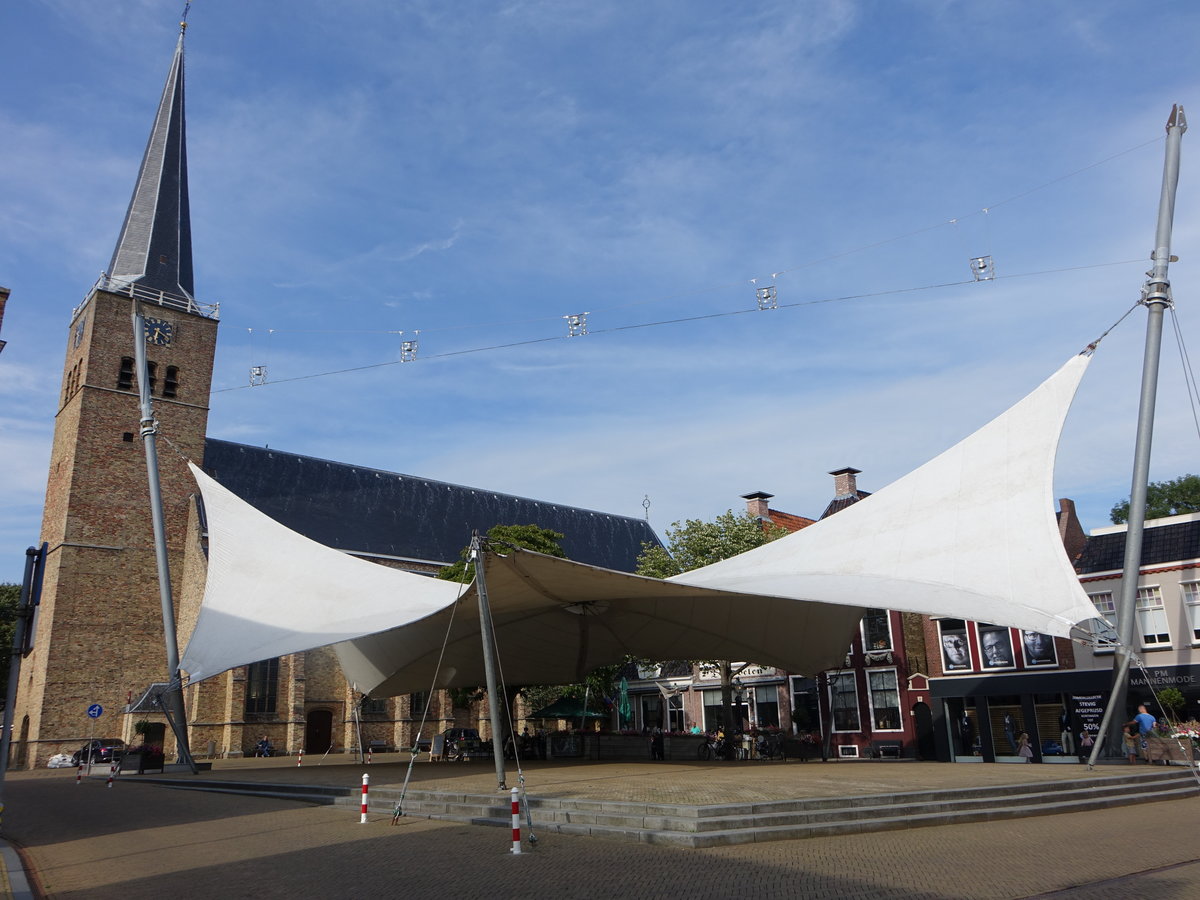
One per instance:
(528, 537)
(1164, 498)
(10, 597)
(696, 543)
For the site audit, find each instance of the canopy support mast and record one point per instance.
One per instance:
(489, 660)
(173, 696)
(1157, 297)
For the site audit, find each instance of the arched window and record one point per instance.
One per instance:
(262, 686)
(125, 378)
(171, 382)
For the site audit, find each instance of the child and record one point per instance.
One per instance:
(1023, 749)
(1131, 743)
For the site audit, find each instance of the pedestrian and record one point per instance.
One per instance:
(1144, 723)
(1023, 749)
(1129, 737)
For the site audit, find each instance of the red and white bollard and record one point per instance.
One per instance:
(368, 756)
(79, 775)
(300, 758)
(363, 818)
(112, 773)
(516, 821)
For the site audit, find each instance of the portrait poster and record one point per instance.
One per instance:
(956, 651)
(995, 647)
(1038, 649)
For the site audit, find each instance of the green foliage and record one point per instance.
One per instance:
(1164, 498)
(528, 537)
(10, 597)
(1172, 700)
(695, 543)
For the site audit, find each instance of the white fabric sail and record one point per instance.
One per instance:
(271, 591)
(555, 620)
(971, 534)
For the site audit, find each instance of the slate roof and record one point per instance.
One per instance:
(1160, 544)
(154, 249)
(837, 504)
(386, 514)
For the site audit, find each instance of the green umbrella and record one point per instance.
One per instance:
(624, 712)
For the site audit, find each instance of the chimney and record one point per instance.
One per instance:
(844, 483)
(756, 505)
(1070, 530)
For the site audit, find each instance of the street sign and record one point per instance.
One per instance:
(95, 711)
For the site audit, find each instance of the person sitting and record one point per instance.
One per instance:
(263, 747)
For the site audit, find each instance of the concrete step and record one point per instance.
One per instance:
(724, 824)
(742, 823)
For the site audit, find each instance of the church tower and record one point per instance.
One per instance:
(98, 635)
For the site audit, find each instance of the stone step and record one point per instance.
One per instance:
(742, 823)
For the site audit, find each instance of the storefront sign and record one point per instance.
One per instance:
(1088, 710)
(1175, 676)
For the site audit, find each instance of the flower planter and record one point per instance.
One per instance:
(1160, 748)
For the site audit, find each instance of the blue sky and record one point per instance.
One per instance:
(477, 171)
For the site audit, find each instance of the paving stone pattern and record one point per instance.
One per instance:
(139, 840)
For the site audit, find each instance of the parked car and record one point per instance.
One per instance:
(100, 750)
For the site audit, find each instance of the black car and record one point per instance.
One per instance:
(100, 750)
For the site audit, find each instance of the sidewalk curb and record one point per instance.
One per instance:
(18, 884)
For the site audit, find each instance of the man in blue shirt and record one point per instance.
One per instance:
(1144, 722)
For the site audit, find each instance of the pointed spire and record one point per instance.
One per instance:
(154, 250)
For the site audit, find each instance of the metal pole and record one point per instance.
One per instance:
(149, 431)
(1157, 297)
(489, 660)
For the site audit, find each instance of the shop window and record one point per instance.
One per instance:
(877, 630)
(956, 650)
(1191, 606)
(843, 700)
(262, 686)
(1152, 618)
(1106, 633)
(714, 712)
(171, 382)
(125, 376)
(885, 699)
(766, 707)
(806, 709)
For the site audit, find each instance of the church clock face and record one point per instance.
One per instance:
(79, 330)
(158, 331)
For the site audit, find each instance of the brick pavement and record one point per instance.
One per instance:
(137, 840)
(691, 783)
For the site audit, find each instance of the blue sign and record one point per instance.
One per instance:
(95, 711)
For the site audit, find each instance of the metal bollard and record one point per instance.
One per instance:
(516, 821)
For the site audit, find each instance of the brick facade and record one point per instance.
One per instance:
(99, 628)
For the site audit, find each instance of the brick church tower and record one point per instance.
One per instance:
(99, 634)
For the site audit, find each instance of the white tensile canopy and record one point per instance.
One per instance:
(556, 620)
(971, 534)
